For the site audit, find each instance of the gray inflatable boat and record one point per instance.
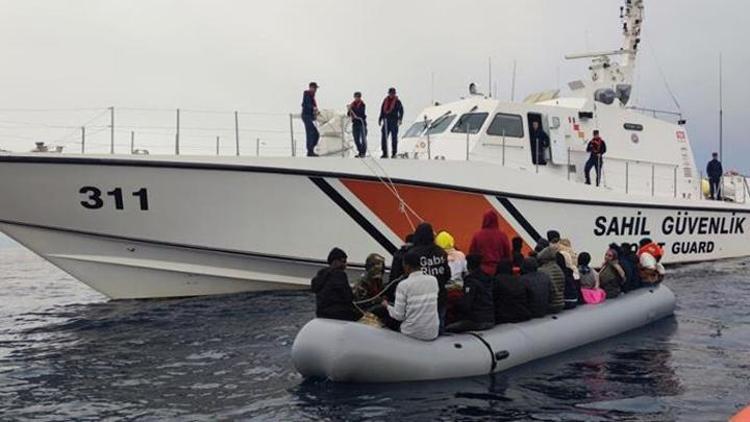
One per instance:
(353, 352)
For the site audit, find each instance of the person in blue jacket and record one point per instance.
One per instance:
(309, 114)
(391, 116)
(358, 114)
(715, 171)
(596, 149)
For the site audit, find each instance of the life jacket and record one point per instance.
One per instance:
(652, 249)
(356, 109)
(597, 145)
(312, 95)
(389, 104)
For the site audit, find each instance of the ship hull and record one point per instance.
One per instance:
(171, 227)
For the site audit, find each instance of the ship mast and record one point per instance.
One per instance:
(613, 79)
(632, 23)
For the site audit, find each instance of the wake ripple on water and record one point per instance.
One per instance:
(66, 353)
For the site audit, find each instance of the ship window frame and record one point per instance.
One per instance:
(458, 127)
(441, 124)
(517, 117)
(424, 123)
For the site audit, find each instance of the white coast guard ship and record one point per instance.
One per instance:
(146, 226)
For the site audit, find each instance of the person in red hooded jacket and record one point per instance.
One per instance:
(491, 243)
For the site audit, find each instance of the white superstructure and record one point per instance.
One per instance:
(149, 226)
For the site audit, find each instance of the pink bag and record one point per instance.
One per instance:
(593, 296)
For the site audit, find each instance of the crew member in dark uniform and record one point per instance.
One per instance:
(309, 114)
(715, 171)
(597, 148)
(539, 144)
(357, 112)
(391, 116)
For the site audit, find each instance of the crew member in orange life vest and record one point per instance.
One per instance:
(391, 115)
(359, 124)
(597, 148)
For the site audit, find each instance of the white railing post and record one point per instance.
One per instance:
(177, 135)
(291, 134)
(503, 147)
(627, 177)
(468, 130)
(112, 130)
(343, 136)
(237, 132)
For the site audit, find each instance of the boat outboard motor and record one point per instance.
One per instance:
(605, 95)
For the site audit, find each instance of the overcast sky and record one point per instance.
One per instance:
(258, 56)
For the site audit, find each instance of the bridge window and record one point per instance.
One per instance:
(417, 129)
(510, 125)
(441, 124)
(472, 122)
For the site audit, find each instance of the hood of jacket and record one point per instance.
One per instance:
(490, 220)
(424, 235)
(548, 254)
(445, 241)
(530, 265)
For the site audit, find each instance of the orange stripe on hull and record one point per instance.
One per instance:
(743, 416)
(459, 213)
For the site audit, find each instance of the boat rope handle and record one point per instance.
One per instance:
(489, 347)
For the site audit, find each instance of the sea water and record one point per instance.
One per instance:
(66, 353)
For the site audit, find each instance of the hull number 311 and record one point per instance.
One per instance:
(96, 198)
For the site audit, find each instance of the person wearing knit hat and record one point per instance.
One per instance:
(553, 236)
(370, 285)
(456, 258)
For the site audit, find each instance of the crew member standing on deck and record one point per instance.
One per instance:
(715, 171)
(357, 112)
(391, 116)
(309, 114)
(539, 144)
(597, 148)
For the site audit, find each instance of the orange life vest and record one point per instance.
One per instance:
(652, 249)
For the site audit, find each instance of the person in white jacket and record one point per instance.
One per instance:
(416, 304)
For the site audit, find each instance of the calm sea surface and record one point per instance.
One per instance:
(68, 354)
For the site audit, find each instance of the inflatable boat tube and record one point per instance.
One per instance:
(353, 352)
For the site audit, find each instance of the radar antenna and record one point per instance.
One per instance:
(613, 79)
